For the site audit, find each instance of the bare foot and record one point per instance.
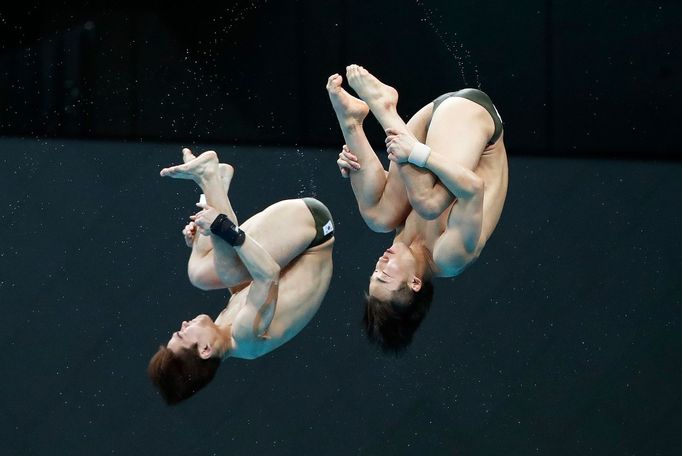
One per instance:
(349, 110)
(374, 92)
(195, 169)
(226, 174)
(187, 155)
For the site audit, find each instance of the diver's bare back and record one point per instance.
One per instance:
(284, 230)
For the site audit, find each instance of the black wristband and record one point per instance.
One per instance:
(228, 231)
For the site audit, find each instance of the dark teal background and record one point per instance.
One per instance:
(563, 338)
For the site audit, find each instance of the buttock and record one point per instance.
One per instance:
(480, 98)
(324, 224)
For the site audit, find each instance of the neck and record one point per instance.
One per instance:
(224, 343)
(425, 266)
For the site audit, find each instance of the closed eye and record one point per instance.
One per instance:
(378, 276)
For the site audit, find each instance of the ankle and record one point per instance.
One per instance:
(351, 125)
(388, 117)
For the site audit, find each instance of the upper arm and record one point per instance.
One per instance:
(458, 246)
(254, 318)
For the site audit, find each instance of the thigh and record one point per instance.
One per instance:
(284, 229)
(419, 122)
(460, 129)
(418, 126)
(435, 197)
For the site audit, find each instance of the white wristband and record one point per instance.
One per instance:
(419, 154)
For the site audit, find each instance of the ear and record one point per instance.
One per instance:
(415, 284)
(205, 352)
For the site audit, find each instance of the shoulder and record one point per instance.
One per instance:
(456, 250)
(453, 263)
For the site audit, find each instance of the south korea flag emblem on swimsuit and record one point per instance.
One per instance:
(328, 228)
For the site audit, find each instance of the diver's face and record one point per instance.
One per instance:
(393, 271)
(201, 330)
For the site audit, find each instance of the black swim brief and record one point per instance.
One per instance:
(324, 225)
(480, 98)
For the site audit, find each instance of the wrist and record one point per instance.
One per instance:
(419, 154)
(223, 227)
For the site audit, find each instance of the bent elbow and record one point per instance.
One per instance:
(271, 273)
(274, 274)
(472, 186)
(477, 184)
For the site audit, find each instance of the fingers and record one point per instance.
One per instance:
(344, 167)
(390, 138)
(347, 162)
(349, 159)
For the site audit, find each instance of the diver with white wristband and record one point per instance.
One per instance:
(443, 192)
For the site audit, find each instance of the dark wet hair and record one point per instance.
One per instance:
(391, 324)
(180, 375)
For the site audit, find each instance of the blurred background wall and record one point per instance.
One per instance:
(569, 78)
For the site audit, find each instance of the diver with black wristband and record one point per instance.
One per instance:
(223, 227)
(277, 266)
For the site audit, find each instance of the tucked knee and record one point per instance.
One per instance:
(379, 223)
(428, 207)
(199, 280)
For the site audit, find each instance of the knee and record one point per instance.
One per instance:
(378, 224)
(204, 278)
(198, 280)
(427, 207)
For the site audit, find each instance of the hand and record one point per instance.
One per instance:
(347, 162)
(204, 218)
(189, 232)
(399, 144)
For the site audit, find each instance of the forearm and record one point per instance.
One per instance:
(460, 181)
(229, 240)
(257, 260)
(227, 264)
(427, 195)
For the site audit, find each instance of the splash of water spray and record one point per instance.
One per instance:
(205, 78)
(454, 47)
